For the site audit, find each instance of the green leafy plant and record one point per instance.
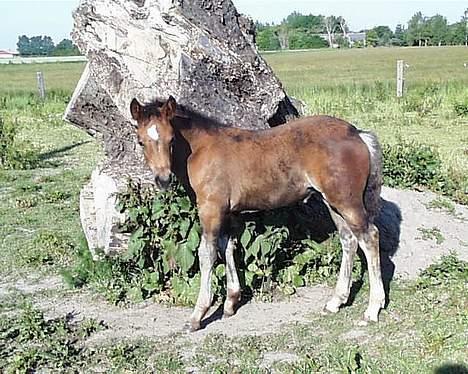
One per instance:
(423, 101)
(448, 268)
(274, 252)
(14, 154)
(432, 233)
(29, 341)
(460, 106)
(410, 164)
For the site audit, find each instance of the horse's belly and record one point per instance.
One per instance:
(265, 196)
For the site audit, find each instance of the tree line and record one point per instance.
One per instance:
(298, 31)
(43, 45)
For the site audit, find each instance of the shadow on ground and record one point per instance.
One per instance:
(316, 218)
(47, 156)
(451, 369)
(389, 224)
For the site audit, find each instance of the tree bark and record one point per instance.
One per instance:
(200, 51)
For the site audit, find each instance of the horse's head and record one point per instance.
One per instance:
(156, 136)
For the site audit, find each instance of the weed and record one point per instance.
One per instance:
(14, 154)
(448, 268)
(410, 164)
(442, 204)
(460, 106)
(56, 196)
(30, 342)
(26, 202)
(47, 248)
(432, 233)
(424, 101)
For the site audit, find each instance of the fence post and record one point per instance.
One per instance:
(41, 84)
(400, 78)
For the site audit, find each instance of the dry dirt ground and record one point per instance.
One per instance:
(413, 235)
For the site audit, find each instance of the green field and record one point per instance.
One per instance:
(328, 68)
(18, 79)
(424, 328)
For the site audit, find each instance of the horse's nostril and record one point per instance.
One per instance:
(163, 182)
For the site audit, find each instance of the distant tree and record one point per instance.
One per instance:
(300, 39)
(384, 35)
(65, 48)
(283, 35)
(372, 38)
(259, 26)
(465, 20)
(267, 40)
(457, 33)
(438, 30)
(399, 36)
(309, 22)
(24, 46)
(35, 46)
(331, 23)
(416, 28)
(344, 42)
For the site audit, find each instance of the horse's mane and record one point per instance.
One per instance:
(185, 117)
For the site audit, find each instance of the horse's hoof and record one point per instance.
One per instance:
(372, 314)
(190, 327)
(228, 313)
(330, 309)
(326, 312)
(366, 320)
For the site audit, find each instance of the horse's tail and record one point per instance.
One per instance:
(374, 181)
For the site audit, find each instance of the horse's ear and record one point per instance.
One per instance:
(135, 109)
(169, 108)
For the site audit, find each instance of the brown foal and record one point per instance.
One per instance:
(232, 170)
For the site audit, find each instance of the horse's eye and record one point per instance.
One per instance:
(140, 143)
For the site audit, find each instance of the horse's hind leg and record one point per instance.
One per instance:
(349, 244)
(233, 289)
(352, 217)
(369, 243)
(228, 245)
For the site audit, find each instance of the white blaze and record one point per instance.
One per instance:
(153, 133)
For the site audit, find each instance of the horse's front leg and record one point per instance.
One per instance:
(211, 219)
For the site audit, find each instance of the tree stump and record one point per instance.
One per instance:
(200, 51)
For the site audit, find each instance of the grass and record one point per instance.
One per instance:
(39, 220)
(22, 78)
(423, 330)
(325, 68)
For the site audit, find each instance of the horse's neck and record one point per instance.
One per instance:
(188, 139)
(192, 134)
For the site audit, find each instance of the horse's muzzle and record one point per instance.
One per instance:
(163, 182)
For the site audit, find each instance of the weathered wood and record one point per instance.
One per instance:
(400, 78)
(41, 84)
(200, 51)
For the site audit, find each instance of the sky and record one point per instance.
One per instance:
(53, 17)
